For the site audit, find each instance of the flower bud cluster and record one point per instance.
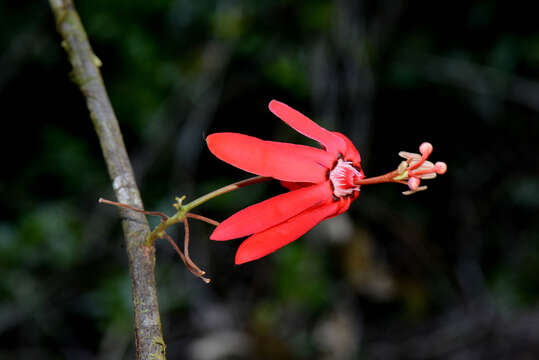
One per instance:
(416, 167)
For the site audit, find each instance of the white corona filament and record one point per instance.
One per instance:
(342, 177)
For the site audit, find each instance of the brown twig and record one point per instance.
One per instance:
(191, 266)
(163, 216)
(186, 251)
(202, 218)
(149, 341)
(176, 247)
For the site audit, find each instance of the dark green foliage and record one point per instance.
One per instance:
(449, 273)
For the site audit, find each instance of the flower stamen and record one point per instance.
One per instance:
(417, 168)
(410, 172)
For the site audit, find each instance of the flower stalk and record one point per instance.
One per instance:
(183, 210)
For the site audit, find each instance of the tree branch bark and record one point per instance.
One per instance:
(86, 74)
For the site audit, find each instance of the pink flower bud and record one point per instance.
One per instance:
(425, 149)
(440, 167)
(413, 183)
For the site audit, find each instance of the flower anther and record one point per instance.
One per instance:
(417, 168)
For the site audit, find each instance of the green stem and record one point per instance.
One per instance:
(159, 230)
(226, 189)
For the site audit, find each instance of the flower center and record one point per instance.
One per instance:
(343, 177)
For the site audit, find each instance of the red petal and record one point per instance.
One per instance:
(282, 161)
(274, 238)
(344, 204)
(294, 185)
(351, 152)
(304, 125)
(271, 212)
(319, 156)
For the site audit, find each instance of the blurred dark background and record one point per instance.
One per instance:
(451, 273)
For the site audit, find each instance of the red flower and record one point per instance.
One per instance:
(321, 183)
